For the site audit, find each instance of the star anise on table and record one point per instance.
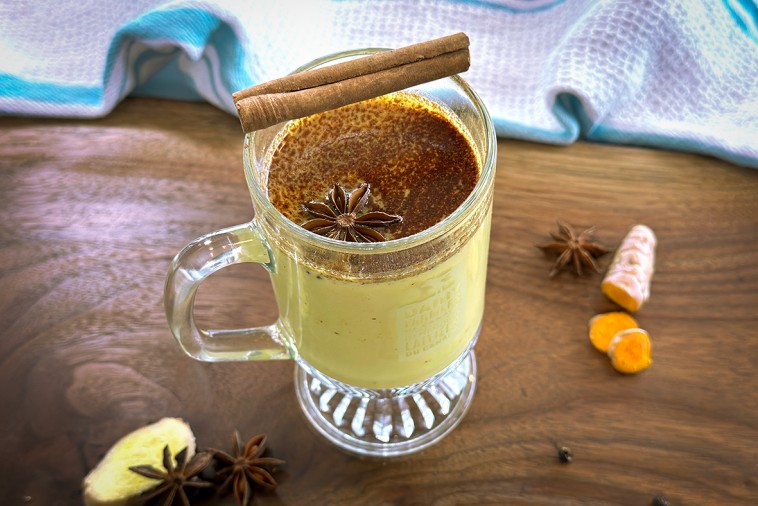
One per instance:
(337, 217)
(245, 468)
(574, 251)
(174, 479)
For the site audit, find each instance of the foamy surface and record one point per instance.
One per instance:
(419, 162)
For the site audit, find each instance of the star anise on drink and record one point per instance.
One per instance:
(245, 468)
(574, 251)
(337, 217)
(174, 479)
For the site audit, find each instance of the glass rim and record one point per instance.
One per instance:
(263, 204)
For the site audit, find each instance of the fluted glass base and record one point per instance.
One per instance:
(388, 424)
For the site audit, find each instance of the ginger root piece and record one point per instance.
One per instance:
(112, 483)
(603, 327)
(627, 282)
(629, 351)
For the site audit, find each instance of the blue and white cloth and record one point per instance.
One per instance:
(676, 74)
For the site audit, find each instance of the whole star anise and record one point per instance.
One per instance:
(337, 217)
(574, 251)
(174, 479)
(245, 468)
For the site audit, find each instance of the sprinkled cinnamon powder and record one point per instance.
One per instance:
(418, 162)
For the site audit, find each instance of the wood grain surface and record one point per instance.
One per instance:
(93, 211)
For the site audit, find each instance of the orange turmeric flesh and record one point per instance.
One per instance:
(629, 351)
(604, 326)
(622, 292)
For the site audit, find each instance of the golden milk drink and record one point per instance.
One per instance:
(394, 330)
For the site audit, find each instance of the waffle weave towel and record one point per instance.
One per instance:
(676, 74)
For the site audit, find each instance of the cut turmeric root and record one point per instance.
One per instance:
(604, 327)
(627, 282)
(629, 351)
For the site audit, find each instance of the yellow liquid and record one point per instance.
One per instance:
(367, 330)
(385, 334)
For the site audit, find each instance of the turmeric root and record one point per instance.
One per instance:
(629, 351)
(627, 282)
(603, 327)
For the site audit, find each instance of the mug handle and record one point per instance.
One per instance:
(191, 266)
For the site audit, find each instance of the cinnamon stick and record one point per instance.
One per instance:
(334, 86)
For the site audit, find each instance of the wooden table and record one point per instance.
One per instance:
(93, 211)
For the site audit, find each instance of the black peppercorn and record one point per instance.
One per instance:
(565, 455)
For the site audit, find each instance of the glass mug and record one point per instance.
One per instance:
(382, 333)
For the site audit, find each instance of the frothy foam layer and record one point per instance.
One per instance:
(419, 162)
